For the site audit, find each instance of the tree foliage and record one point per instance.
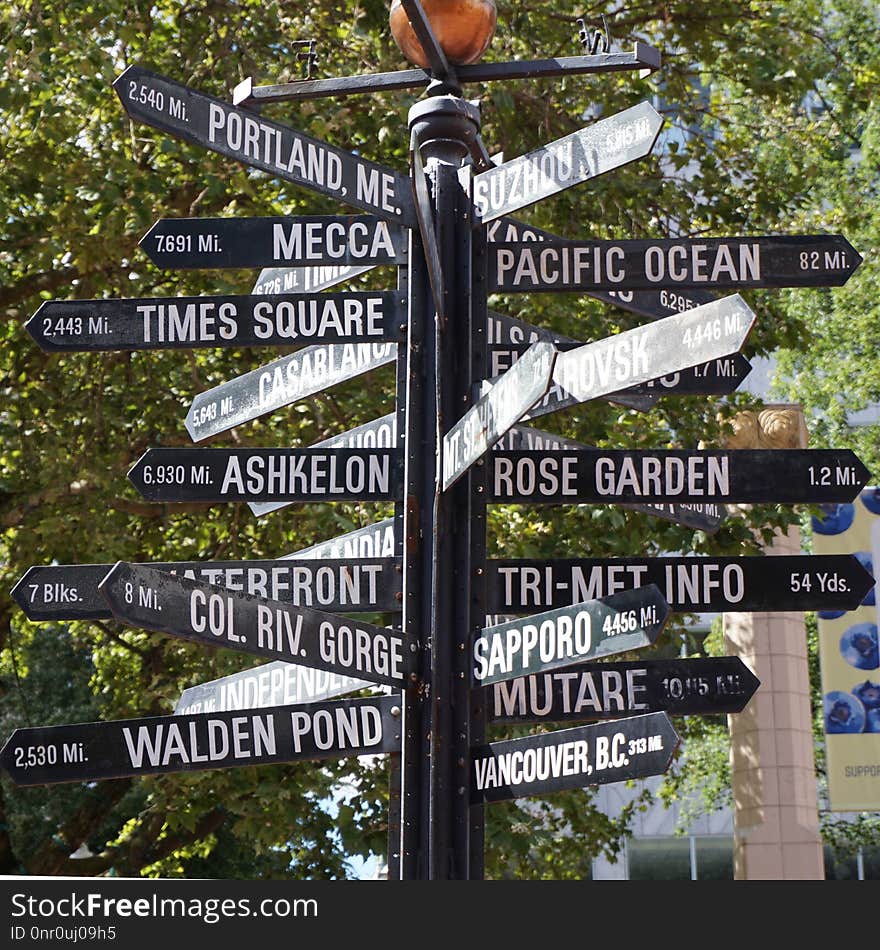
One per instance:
(81, 185)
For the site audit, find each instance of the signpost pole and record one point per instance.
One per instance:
(442, 127)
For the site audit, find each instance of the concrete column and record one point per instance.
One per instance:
(775, 803)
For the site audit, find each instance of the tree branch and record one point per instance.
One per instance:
(52, 856)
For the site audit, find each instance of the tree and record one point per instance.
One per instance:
(81, 185)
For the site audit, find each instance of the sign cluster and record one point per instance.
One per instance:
(546, 660)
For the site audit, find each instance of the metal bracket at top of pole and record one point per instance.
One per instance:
(643, 58)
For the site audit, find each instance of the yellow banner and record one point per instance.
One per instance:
(849, 656)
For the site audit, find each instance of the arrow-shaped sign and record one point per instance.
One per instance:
(496, 411)
(607, 476)
(191, 610)
(691, 584)
(703, 686)
(211, 475)
(572, 758)
(282, 382)
(654, 303)
(557, 638)
(285, 280)
(281, 151)
(657, 349)
(823, 260)
(592, 151)
(91, 751)
(272, 684)
(380, 433)
(359, 585)
(719, 377)
(363, 240)
(374, 540)
(703, 517)
(176, 323)
(509, 338)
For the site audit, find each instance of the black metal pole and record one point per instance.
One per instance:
(444, 128)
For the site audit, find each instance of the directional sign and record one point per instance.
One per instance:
(823, 260)
(506, 331)
(496, 411)
(706, 518)
(599, 148)
(282, 382)
(91, 751)
(572, 758)
(212, 475)
(272, 684)
(380, 433)
(670, 345)
(176, 323)
(608, 690)
(689, 584)
(718, 377)
(653, 303)
(281, 151)
(374, 540)
(556, 638)
(204, 613)
(509, 338)
(70, 591)
(267, 242)
(607, 476)
(530, 439)
(285, 280)
(556, 399)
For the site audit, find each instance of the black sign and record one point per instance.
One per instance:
(91, 751)
(177, 323)
(380, 433)
(573, 758)
(191, 610)
(823, 260)
(653, 303)
(719, 377)
(70, 591)
(708, 517)
(281, 151)
(608, 690)
(689, 584)
(600, 476)
(268, 474)
(530, 439)
(586, 630)
(599, 148)
(702, 517)
(270, 242)
(282, 382)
